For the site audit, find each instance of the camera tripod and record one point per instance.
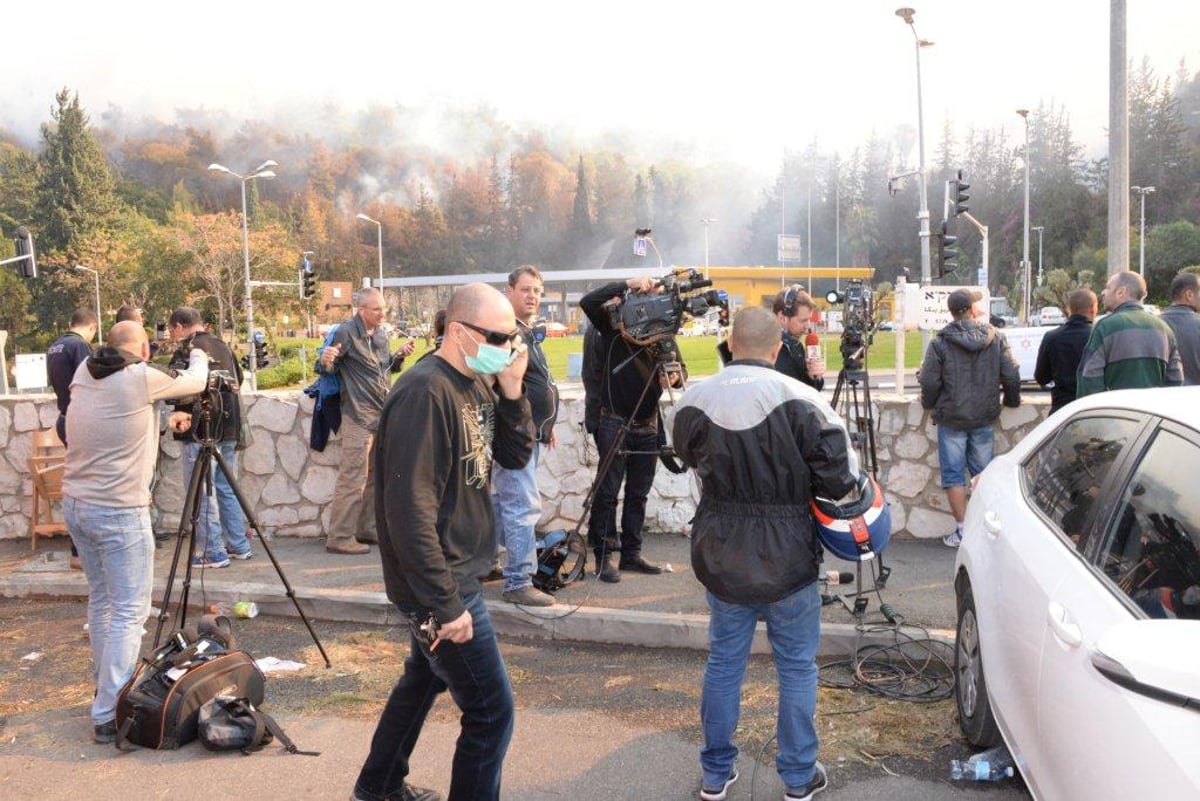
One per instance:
(576, 543)
(199, 485)
(860, 424)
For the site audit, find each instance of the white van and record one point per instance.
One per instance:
(1050, 315)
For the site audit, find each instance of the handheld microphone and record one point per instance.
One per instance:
(812, 346)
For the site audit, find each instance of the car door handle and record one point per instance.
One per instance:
(1060, 621)
(991, 523)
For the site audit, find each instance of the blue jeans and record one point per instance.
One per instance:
(223, 524)
(475, 674)
(794, 629)
(116, 547)
(518, 508)
(965, 450)
(637, 472)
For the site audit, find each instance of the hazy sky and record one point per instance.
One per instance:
(739, 81)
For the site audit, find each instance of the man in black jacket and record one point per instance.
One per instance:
(630, 386)
(222, 525)
(440, 427)
(761, 444)
(1061, 349)
(1181, 316)
(966, 367)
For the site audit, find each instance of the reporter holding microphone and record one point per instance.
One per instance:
(800, 357)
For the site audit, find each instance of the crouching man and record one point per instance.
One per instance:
(762, 444)
(112, 431)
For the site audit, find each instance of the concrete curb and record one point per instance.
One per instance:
(563, 622)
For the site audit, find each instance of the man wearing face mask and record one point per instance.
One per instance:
(440, 428)
(360, 356)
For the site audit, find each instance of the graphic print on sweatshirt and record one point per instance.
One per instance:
(479, 424)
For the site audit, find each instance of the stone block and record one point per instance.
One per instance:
(47, 415)
(908, 479)
(1023, 415)
(25, 417)
(278, 516)
(260, 458)
(6, 418)
(309, 513)
(915, 416)
(280, 490)
(929, 524)
(318, 483)
(273, 414)
(898, 512)
(292, 453)
(330, 457)
(911, 445)
(309, 530)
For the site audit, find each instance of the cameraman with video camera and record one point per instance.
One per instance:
(628, 372)
(222, 526)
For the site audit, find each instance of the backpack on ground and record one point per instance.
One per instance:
(234, 724)
(158, 707)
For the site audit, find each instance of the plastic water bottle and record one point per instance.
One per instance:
(991, 765)
(981, 771)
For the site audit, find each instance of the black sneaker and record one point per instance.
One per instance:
(105, 733)
(409, 793)
(718, 793)
(815, 785)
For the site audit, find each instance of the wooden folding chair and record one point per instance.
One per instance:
(46, 457)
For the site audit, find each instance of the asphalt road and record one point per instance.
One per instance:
(594, 722)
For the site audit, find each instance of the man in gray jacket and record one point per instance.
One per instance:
(1185, 322)
(966, 367)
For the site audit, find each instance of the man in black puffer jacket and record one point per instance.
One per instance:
(966, 368)
(761, 443)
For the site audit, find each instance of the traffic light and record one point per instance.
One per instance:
(958, 195)
(947, 253)
(24, 244)
(308, 279)
(261, 359)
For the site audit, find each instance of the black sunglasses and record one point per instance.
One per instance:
(494, 338)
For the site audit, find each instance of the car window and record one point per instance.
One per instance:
(1151, 549)
(1065, 476)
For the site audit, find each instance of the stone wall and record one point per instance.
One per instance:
(290, 486)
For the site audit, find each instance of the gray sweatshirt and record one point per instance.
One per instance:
(112, 429)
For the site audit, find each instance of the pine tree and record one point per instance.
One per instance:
(76, 189)
(581, 235)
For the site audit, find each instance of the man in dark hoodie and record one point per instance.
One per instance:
(966, 367)
(113, 434)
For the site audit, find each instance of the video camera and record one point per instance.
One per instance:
(647, 319)
(858, 325)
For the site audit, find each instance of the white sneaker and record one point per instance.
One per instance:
(953, 539)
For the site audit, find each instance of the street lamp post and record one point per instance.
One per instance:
(1025, 267)
(907, 14)
(379, 243)
(706, 221)
(261, 171)
(99, 319)
(1142, 191)
(1038, 229)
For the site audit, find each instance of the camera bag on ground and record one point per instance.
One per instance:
(158, 707)
(234, 724)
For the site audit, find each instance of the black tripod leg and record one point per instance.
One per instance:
(188, 523)
(221, 464)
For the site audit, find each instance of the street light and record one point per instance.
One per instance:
(261, 171)
(706, 221)
(1025, 268)
(1039, 229)
(379, 242)
(99, 319)
(1143, 191)
(907, 14)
